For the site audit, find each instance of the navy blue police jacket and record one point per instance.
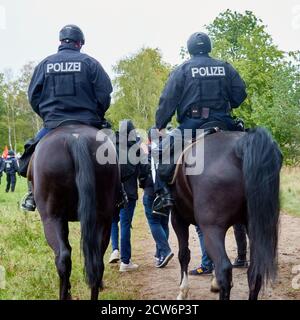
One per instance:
(11, 166)
(201, 82)
(70, 85)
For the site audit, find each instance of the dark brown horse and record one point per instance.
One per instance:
(239, 184)
(70, 185)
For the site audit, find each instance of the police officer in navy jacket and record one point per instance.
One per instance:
(70, 85)
(200, 90)
(67, 87)
(11, 168)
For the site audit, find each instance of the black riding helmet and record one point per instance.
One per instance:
(199, 43)
(72, 33)
(11, 153)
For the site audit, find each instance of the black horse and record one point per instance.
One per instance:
(239, 184)
(70, 185)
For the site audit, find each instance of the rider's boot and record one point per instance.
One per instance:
(28, 203)
(164, 202)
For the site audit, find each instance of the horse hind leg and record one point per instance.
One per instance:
(214, 287)
(214, 239)
(184, 256)
(56, 232)
(104, 238)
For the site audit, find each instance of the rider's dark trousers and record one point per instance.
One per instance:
(11, 182)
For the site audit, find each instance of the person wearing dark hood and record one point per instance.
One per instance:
(66, 87)
(131, 171)
(158, 224)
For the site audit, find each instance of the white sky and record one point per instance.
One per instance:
(115, 28)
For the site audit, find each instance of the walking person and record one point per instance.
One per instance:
(11, 168)
(240, 234)
(158, 224)
(206, 266)
(129, 175)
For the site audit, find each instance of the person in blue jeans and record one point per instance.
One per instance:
(159, 227)
(206, 266)
(158, 224)
(126, 215)
(130, 173)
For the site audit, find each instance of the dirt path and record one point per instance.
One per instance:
(164, 283)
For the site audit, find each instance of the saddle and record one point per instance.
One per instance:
(168, 172)
(31, 144)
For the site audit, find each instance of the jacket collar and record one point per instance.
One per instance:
(201, 55)
(68, 46)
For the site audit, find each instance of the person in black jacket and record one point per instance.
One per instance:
(130, 173)
(158, 224)
(200, 90)
(67, 87)
(11, 168)
(70, 85)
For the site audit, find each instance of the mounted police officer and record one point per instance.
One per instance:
(200, 90)
(67, 87)
(11, 168)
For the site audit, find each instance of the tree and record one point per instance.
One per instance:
(139, 83)
(17, 120)
(3, 129)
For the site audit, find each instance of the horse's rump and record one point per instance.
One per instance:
(221, 177)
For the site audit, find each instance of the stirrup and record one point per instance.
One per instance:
(160, 206)
(24, 206)
(162, 213)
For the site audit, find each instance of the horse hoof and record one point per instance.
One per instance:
(69, 296)
(214, 286)
(181, 296)
(214, 289)
(102, 286)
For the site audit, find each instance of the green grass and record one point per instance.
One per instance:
(29, 261)
(290, 191)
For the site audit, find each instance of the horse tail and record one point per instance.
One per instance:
(262, 161)
(86, 188)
